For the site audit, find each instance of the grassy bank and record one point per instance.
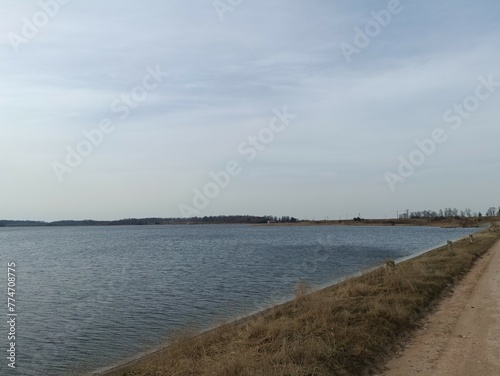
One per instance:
(346, 329)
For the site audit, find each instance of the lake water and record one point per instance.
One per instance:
(89, 297)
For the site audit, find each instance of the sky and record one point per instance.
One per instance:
(312, 109)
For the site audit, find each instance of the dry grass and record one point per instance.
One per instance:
(346, 329)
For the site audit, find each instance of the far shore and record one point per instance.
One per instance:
(259, 221)
(434, 222)
(379, 280)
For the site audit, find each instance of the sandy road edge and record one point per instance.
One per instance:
(456, 338)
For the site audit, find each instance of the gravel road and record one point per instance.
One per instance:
(462, 337)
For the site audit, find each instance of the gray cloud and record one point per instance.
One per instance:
(353, 120)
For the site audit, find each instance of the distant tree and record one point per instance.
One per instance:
(491, 212)
(468, 212)
(449, 212)
(405, 215)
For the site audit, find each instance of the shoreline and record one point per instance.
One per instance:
(417, 222)
(144, 358)
(255, 221)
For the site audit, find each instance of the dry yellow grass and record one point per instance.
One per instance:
(345, 329)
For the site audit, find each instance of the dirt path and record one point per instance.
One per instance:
(462, 338)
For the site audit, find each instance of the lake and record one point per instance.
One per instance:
(90, 297)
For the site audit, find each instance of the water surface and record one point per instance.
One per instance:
(89, 297)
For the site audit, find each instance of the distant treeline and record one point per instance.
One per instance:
(450, 213)
(5, 223)
(222, 219)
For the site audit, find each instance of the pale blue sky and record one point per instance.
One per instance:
(353, 119)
